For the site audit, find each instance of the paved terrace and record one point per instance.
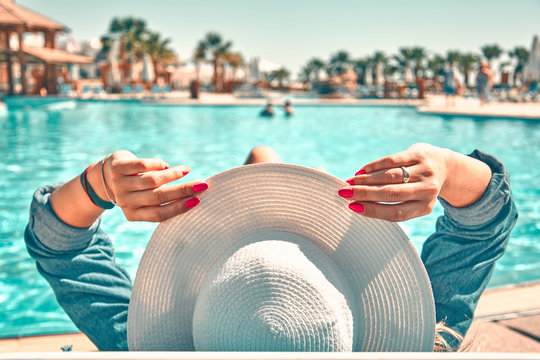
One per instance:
(506, 320)
(471, 107)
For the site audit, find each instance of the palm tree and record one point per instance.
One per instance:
(467, 63)
(280, 75)
(405, 57)
(378, 59)
(305, 74)
(316, 65)
(436, 65)
(199, 56)
(491, 52)
(158, 49)
(521, 55)
(215, 46)
(360, 66)
(131, 33)
(418, 55)
(339, 63)
(453, 56)
(235, 60)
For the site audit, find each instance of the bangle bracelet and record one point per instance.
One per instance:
(94, 198)
(104, 183)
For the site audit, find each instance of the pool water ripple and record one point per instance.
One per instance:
(41, 147)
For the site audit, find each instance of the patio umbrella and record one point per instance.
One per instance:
(368, 77)
(131, 75)
(379, 76)
(114, 77)
(408, 76)
(532, 68)
(74, 72)
(147, 75)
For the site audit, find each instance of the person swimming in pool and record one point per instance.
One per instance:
(287, 107)
(268, 111)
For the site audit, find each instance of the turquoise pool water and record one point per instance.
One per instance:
(55, 144)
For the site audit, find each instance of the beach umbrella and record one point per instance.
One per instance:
(148, 74)
(114, 78)
(368, 77)
(379, 75)
(408, 76)
(532, 68)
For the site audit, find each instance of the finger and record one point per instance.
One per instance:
(164, 194)
(404, 158)
(161, 213)
(390, 193)
(391, 212)
(386, 176)
(152, 179)
(136, 166)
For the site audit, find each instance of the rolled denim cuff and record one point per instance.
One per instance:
(52, 232)
(497, 195)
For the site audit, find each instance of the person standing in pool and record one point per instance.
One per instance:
(76, 256)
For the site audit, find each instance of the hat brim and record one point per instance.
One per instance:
(252, 202)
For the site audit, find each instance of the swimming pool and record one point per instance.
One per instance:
(55, 144)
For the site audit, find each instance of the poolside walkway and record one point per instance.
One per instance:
(507, 320)
(435, 105)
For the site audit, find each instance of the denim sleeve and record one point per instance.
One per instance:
(79, 265)
(461, 254)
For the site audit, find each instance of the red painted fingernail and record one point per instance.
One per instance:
(350, 182)
(192, 202)
(360, 172)
(185, 172)
(166, 167)
(346, 193)
(200, 187)
(356, 207)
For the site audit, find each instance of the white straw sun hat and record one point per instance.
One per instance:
(272, 259)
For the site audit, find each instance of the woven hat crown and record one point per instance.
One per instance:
(200, 256)
(275, 295)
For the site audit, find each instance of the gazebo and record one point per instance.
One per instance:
(15, 19)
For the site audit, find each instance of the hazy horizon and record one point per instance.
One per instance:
(290, 33)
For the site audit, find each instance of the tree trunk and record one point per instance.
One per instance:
(156, 72)
(215, 76)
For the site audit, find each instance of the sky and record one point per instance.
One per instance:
(291, 32)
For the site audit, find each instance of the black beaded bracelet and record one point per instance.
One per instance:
(94, 198)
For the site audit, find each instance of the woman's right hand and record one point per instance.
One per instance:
(141, 187)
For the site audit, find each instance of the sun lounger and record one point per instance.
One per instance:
(66, 90)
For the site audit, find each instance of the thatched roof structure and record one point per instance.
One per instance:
(13, 16)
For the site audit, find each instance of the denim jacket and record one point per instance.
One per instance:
(94, 291)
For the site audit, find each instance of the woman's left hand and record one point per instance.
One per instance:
(378, 190)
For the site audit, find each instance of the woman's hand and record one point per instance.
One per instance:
(378, 190)
(141, 187)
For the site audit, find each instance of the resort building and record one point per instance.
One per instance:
(31, 69)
